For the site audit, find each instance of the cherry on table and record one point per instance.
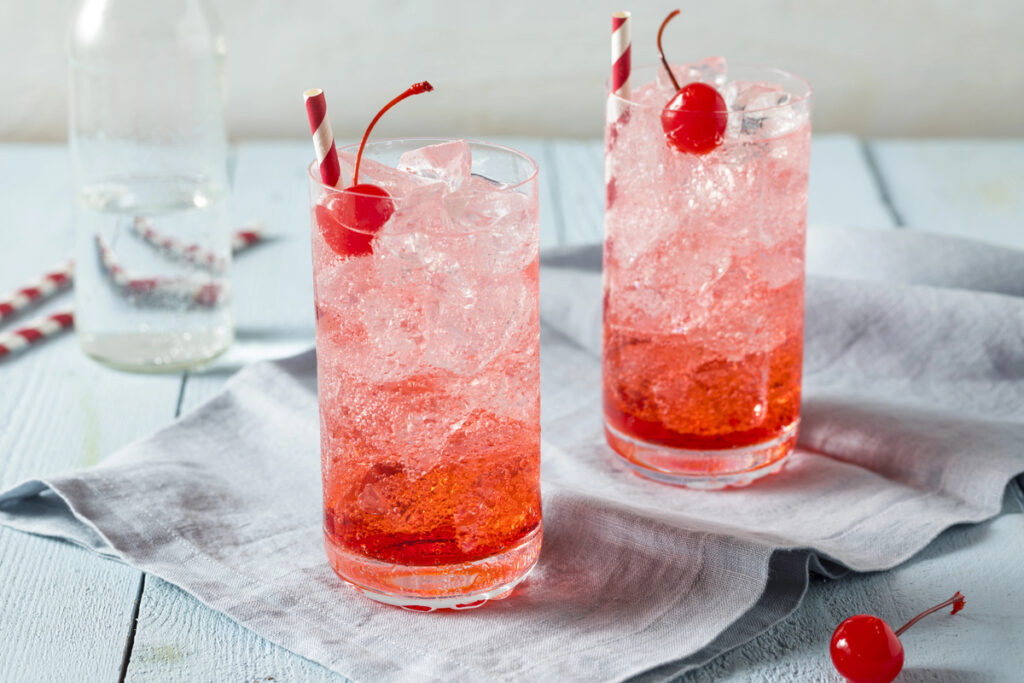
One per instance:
(694, 120)
(350, 219)
(865, 649)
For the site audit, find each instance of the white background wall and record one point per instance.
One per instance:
(536, 67)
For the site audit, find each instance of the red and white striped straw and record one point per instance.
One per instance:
(246, 237)
(50, 282)
(35, 331)
(621, 66)
(49, 325)
(156, 290)
(194, 253)
(323, 137)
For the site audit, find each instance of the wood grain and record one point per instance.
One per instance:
(180, 639)
(972, 188)
(66, 612)
(844, 189)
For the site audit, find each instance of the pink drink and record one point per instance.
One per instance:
(704, 281)
(429, 385)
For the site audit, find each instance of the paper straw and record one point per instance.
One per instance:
(47, 326)
(167, 291)
(323, 137)
(246, 237)
(618, 94)
(34, 332)
(621, 67)
(48, 284)
(194, 253)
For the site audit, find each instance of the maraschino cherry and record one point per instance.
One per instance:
(351, 218)
(865, 649)
(694, 120)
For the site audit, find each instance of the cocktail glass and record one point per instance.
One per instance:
(704, 280)
(428, 369)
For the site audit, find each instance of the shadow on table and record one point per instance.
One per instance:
(254, 344)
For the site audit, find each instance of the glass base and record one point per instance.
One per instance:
(157, 353)
(419, 588)
(707, 469)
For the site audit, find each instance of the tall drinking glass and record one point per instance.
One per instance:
(704, 280)
(429, 377)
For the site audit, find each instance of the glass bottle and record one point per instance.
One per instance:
(149, 155)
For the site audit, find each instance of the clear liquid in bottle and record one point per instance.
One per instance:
(149, 152)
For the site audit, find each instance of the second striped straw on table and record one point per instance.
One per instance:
(35, 331)
(49, 283)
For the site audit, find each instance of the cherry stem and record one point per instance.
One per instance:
(414, 89)
(957, 601)
(662, 52)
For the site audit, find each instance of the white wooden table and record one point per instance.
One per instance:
(66, 614)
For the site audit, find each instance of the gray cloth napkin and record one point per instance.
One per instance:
(913, 420)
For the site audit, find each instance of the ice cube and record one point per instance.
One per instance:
(477, 319)
(747, 96)
(398, 183)
(783, 120)
(498, 224)
(449, 162)
(410, 233)
(483, 203)
(396, 320)
(777, 269)
(420, 210)
(763, 108)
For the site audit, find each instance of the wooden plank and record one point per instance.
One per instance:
(177, 637)
(578, 167)
(67, 612)
(970, 188)
(180, 639)
(843, 187)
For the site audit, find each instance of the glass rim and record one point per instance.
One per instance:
(797, 99)
(534, 168)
